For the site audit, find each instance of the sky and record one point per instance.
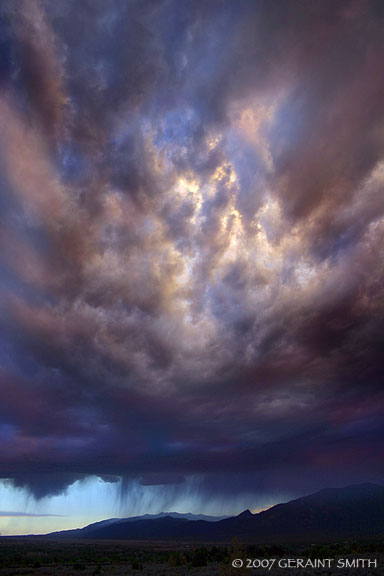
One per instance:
(191, 255)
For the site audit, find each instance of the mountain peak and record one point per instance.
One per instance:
(246, 514)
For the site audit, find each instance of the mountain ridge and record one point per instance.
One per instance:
(356, 511)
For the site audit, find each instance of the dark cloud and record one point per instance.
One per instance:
(191, 281)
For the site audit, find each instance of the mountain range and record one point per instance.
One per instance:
(354, 512)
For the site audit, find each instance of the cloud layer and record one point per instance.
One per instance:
(191, 243)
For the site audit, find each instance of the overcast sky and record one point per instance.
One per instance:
(191, 254)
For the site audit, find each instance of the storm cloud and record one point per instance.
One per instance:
(191, 244)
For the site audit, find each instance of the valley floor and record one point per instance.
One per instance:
(22, 557)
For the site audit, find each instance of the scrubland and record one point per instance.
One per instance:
(24, 557)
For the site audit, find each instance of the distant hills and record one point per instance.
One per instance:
(354, 512)
(178, 515)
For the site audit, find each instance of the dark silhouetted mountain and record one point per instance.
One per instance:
(187, 516)
(245, 514)
(331, 514)
(177, 515)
